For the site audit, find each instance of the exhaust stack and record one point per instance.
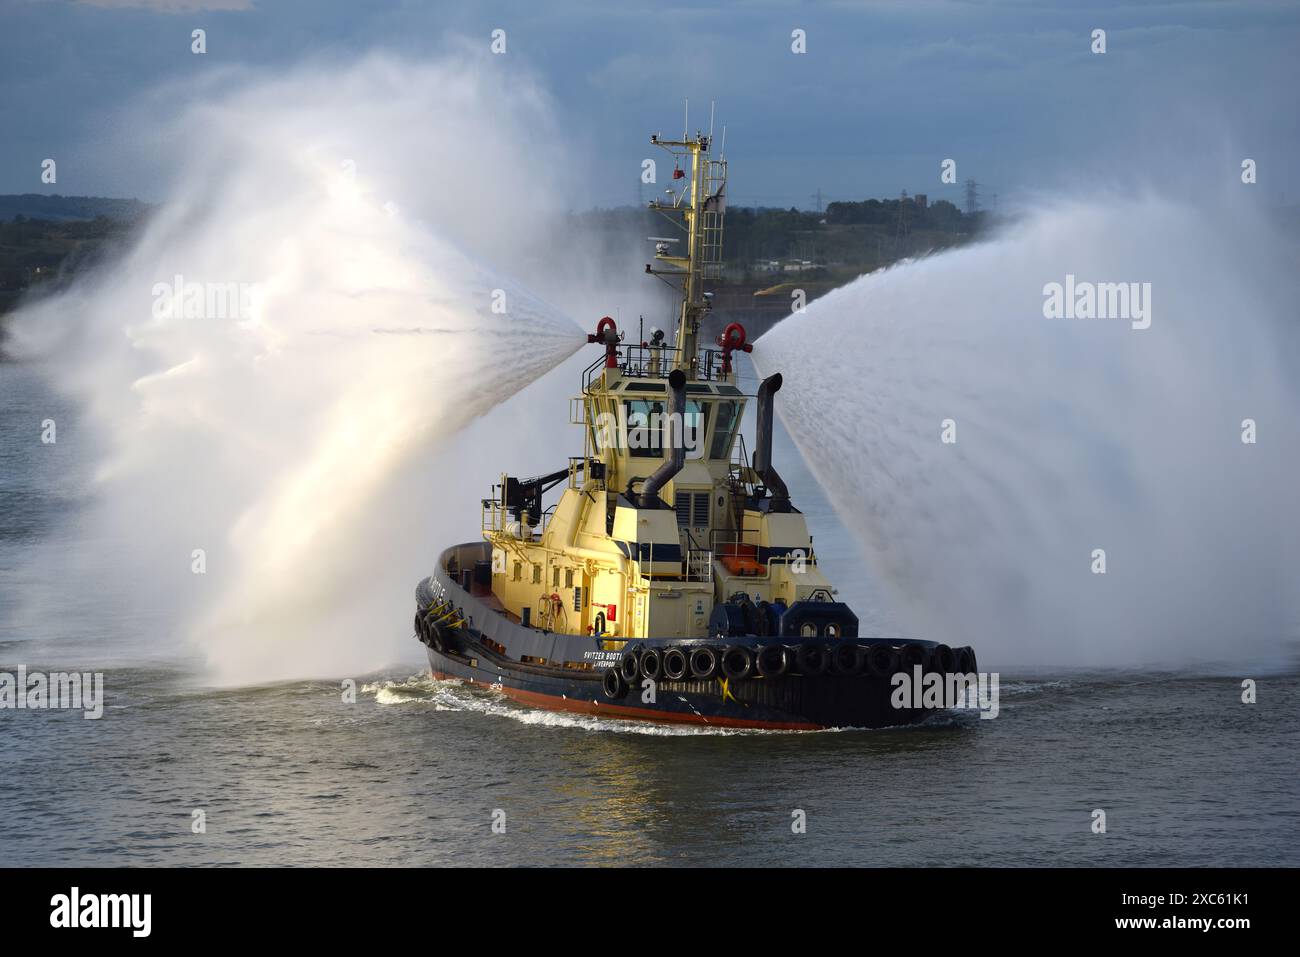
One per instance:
(649, 497)
(763, 445)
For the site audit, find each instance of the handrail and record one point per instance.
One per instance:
(699, 565)
(646, 361)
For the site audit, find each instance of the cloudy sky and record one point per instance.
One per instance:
(885, 92)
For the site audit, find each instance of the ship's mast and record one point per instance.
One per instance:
(698, 211)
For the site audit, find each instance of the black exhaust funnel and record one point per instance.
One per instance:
(677, 441)
(763, 445)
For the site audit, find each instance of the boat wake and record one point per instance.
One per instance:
(454, 695)
(422, 690)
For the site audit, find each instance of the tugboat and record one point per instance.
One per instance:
(674, 580)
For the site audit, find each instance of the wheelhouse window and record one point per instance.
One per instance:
(724, 427)
(697, 417)
(600, 422)
(644, 438)
(647, 426)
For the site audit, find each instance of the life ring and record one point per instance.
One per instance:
(614, 685)
(810, 659)
(772, 661)
(737, 662)
(704, 662)
(676, 666)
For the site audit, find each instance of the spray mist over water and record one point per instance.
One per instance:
(1072, 435)
(298, 444)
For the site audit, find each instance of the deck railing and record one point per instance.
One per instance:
(638, 361)
(699, 565)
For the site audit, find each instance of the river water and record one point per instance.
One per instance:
(415, 772)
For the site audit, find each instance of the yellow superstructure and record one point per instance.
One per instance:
(663, 515)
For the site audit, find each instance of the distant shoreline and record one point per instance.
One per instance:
(46, 240)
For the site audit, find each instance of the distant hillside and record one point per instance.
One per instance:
(845, 240)
(56, 208)
(45, 241)
(770, 253)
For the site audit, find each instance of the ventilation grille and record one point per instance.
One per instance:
(692, 509)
